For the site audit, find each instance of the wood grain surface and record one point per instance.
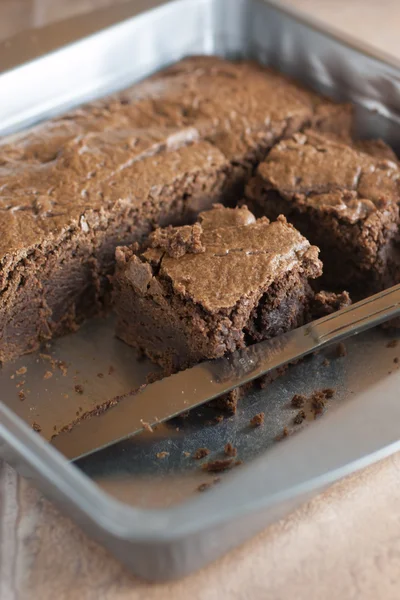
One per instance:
(345, 544)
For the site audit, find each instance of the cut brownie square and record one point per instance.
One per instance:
(342, 199)
(198, 292)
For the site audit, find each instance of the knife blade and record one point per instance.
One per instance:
(185, 390)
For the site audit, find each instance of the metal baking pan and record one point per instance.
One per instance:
(147, 510)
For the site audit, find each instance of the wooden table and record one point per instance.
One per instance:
(344, 544)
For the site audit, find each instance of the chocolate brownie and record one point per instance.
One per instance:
(342, 199)
(241, 281)
(107, 173)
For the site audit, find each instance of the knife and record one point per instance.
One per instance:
(169, 397)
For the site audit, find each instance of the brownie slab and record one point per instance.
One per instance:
(199, 292)
(342, 199)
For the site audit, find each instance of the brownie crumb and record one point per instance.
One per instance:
(204, 486)
(392, 344)
(21, 371)
(230, 450)
(283, 434)
(299, 418)
(36, 427)
(178, 241)
(21, 395)
(326, 362)
(146, 426)
(63, 367)
(79, 389)
(328, 392)
(219, 418)
(216, 466)
(162, 454)
(396, 359)
(200, 453)
(317, 403)
(48, 374)
(341, 350)
(100, 375)
(257, 420)
(298, 401)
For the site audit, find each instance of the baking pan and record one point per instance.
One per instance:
(145, 509)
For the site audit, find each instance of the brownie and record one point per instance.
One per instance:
(342, 199)
(107, 173)
(236, 280)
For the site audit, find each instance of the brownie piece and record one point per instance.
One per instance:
(342, 199)
(244, 280)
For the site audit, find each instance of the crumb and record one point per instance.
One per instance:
(328, 392)
(20, 384)
(66, 396)
(326, 362)
(317, 403)
(21, 395)
(48, 357)
(146, 426)
(257, 420)
(48, 374)
(200, 453)
(230, 450)
(219, 418)
(55, 428)
(100, 375)
(341, 350)
(392, 344)
(298, 401)
(299, 418)
(12, 376)
(186, 454)
(21, 371)
(215, 466)
(238, 462)
(162, 454)
(36, 427)
(396, 360)
(79, 389)
(204, 486)
(283, 434)
(111, 370)
(62, 366)
(77, 413)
